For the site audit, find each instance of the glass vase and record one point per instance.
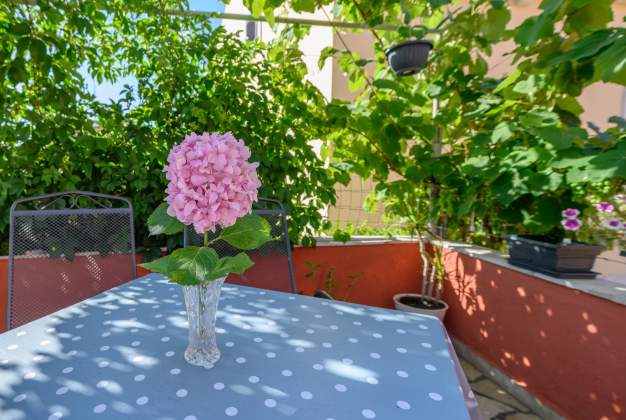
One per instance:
(201, 302)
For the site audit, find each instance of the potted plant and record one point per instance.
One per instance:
(211, 186)
(408, 57)
(560, 254)
(428, 302)
(327, 285)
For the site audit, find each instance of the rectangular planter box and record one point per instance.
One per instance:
(573, 260)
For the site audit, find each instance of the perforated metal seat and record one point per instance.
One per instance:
(66, 247)
(273, 265)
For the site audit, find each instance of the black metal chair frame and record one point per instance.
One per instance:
(103, 204)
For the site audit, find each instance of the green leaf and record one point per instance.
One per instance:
(341, 235)
(226, 265)
(528, 86)
(589, 17)
(605, 165)
(17, 71)
(467, 201)
(539, 183)
(38, 50)
(585, 47)
(521, 158)
(618, 121)
(559, 138)
(532, 29)
(475, 165)
(507, 187)
(159, 265)
(249, 232)
(192, 265)
(326, 53)
(160, 222)
(255, 6)
(495, 26)
(610, 65)
(510, 79)
(303, 5)
(438, 3)
(387, 84)
(544, 217)
(502, 132)
(539, 118)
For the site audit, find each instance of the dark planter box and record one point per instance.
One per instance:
(573, 261)
(409, 57)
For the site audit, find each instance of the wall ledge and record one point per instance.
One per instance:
(600, 287)
(364, 240)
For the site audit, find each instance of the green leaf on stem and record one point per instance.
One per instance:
(192, 265)
(249, 232)
(237, 264)
(159, 265)
(160, 222)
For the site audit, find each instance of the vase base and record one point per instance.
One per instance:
(202, 357)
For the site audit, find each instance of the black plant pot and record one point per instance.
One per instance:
(409, 57)
(573, 261)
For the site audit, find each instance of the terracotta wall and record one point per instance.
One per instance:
(377, 271)
(566, 347)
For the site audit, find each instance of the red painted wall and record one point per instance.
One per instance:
(378, 271)
(566, 347)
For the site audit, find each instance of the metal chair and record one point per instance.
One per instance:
(66, 247)
(273, 265)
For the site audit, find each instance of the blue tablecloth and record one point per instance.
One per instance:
(120, 355)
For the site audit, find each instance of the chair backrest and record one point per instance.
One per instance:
(66, 247)
(273, 265)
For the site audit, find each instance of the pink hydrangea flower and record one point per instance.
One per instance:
(605, 207)
(570, 213)
(571, 223)
(211, 182)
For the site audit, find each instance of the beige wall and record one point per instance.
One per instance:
(599, 101)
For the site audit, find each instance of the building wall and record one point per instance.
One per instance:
(311, 46)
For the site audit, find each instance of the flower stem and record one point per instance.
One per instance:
(206, 238)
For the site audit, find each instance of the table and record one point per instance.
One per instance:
(120, 355)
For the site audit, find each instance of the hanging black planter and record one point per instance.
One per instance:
(409, 57)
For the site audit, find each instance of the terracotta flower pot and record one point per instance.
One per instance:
(416, 303)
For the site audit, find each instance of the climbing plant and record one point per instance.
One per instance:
(514, 150)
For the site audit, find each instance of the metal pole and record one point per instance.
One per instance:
(280, 19)
(437, 146)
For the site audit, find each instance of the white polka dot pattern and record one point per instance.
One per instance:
(282, 354)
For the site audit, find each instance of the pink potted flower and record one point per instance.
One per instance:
(568, 257)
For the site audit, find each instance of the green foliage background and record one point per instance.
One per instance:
(514, 150)
(55, 136)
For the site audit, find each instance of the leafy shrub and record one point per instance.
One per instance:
(55, 135)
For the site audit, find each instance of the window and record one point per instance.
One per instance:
(252, 29)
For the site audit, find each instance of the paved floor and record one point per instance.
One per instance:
(493, 401)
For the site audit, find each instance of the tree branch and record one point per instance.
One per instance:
(379, 150)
